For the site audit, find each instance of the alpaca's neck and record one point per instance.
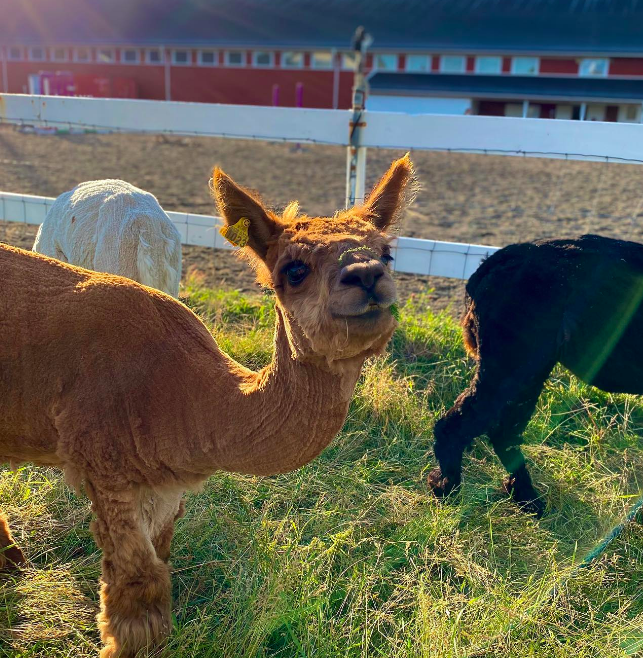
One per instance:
(281, 417)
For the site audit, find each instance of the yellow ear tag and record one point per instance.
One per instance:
(237, 234)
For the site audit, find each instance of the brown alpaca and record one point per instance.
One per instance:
(125, 389)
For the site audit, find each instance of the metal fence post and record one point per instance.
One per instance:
(356, 154)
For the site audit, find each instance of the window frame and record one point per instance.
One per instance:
(515, 59)
(300, 65)
(21, 54)
(496, 58)
(244, 58)
(209, 51)
(586, 60)
(78, 60)
(427, 58)
(271, 57)
(385, 69)
(188, 57)
(111, 51)
(52, 54)
(136, 51)
(30, 56)
(159, 51)
(316, 66)
(461, 57)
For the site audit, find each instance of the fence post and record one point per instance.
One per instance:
(356, 154)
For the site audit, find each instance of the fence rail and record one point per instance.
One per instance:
(412, 256)
(573, 140)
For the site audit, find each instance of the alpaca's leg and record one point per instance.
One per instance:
(505, 438)
(453, 433)
(10, 555)
(162, 511)
(496, 391)
(135, 584)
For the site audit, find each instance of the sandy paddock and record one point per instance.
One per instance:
(481, 199)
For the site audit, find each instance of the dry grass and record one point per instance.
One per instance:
(351, 556)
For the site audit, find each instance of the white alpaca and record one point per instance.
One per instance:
(112, 226)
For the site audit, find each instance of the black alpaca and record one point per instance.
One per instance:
(528, 307)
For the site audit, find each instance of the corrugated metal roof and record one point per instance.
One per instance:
(539, 26)
(508, 87)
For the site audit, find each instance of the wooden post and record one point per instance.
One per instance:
(5, 76)
(525, 109)
(356, 154)
(168, 79)
(336, 69)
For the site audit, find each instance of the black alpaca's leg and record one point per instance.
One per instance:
(471, 415)
(499, 403)
(506, 437)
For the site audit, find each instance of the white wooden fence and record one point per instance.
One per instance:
(412, 256)
(574, 140)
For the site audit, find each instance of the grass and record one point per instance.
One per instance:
(351, 556)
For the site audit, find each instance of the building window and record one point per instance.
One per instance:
(36, 54)
(154, 56)
(130, 56)
(452, 64)
(489, 65)
(385, 62)
(15, 53)
(591, 67)
(208, 57)
(58, 54)
(291, 60)
(181, 57)
(321, 60)
(632, 112)
(235, 58)
(260, 58)
(525, 65)
(105, 56)
(418, 63)
(82, 55)
(349, 61)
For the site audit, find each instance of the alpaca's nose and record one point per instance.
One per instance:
(363, 274)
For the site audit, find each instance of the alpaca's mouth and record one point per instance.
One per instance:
(370, 311)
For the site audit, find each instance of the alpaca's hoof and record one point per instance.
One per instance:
(11, 558)
(442, 485)
(526, 497)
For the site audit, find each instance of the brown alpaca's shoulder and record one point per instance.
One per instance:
(42, 294)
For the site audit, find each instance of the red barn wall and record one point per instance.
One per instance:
(149, 79)
(247, 86)
(551, 65)
(629, 66)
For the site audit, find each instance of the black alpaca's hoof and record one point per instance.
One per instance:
(442, 485)
(525, 496)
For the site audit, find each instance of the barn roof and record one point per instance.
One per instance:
(534, 26)
(547, 88)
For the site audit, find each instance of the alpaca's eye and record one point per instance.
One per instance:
(296, 272)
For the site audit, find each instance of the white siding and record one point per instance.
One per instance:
(416, 105)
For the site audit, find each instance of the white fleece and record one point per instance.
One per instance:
(112, 226)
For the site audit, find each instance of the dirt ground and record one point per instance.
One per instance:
(481, 199)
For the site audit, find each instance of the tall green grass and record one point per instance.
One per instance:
(351, 555)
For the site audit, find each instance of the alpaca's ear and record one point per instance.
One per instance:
(391, 195)
(236, 204)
